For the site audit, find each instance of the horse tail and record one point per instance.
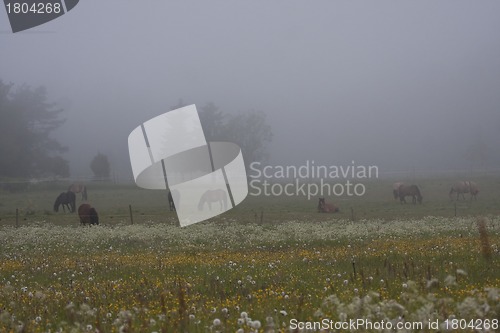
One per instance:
(417, 191)
(452, 190)
(419, 195)
(71, 197)
(57, 203)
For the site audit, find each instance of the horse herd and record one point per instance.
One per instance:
(401, 190)
(87, 213)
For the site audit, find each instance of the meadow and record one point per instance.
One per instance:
(272, 264)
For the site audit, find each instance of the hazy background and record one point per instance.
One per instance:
(398, 84)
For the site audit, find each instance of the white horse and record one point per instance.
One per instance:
(463, 187)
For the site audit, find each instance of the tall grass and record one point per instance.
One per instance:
(226, 276)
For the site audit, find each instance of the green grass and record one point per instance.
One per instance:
(112, 202)
(419, 262)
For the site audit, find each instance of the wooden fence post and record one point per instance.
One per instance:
(130, 211)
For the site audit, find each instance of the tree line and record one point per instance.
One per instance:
(28, 118)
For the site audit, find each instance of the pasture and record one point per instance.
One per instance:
(256, 268)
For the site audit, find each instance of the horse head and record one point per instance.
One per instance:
(321, 204)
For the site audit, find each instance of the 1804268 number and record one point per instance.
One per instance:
(35, 8)
(474, 324)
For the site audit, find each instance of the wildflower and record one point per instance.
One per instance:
(283, 313)
(493, 294)
(450, 281)
(217, 322)
(431, 283)
(255, 324)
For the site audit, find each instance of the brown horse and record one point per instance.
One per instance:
(79, 188)
(324, 207)
(463, 187)
(409, 190)
(395, 189)
(66, 199)
(88, 215)
(211, 196)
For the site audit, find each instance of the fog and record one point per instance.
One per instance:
(398, 84)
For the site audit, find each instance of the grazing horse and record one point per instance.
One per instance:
(463, 187)
(88, 215)
(65, 199)
(324, 207)
(79, 188)
(173, 194)
(211, 196)
(409, 190)
(395, 189)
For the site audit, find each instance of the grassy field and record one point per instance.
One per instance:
(272, 264)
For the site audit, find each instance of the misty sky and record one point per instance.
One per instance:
(397, 84)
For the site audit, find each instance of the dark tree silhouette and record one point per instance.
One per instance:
(249, 130)
(26, 121)
(100, 167)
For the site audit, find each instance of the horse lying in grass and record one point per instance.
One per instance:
(88, 215)
(409, 190)
(324, 207)
(463, 187)
(66, 199)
